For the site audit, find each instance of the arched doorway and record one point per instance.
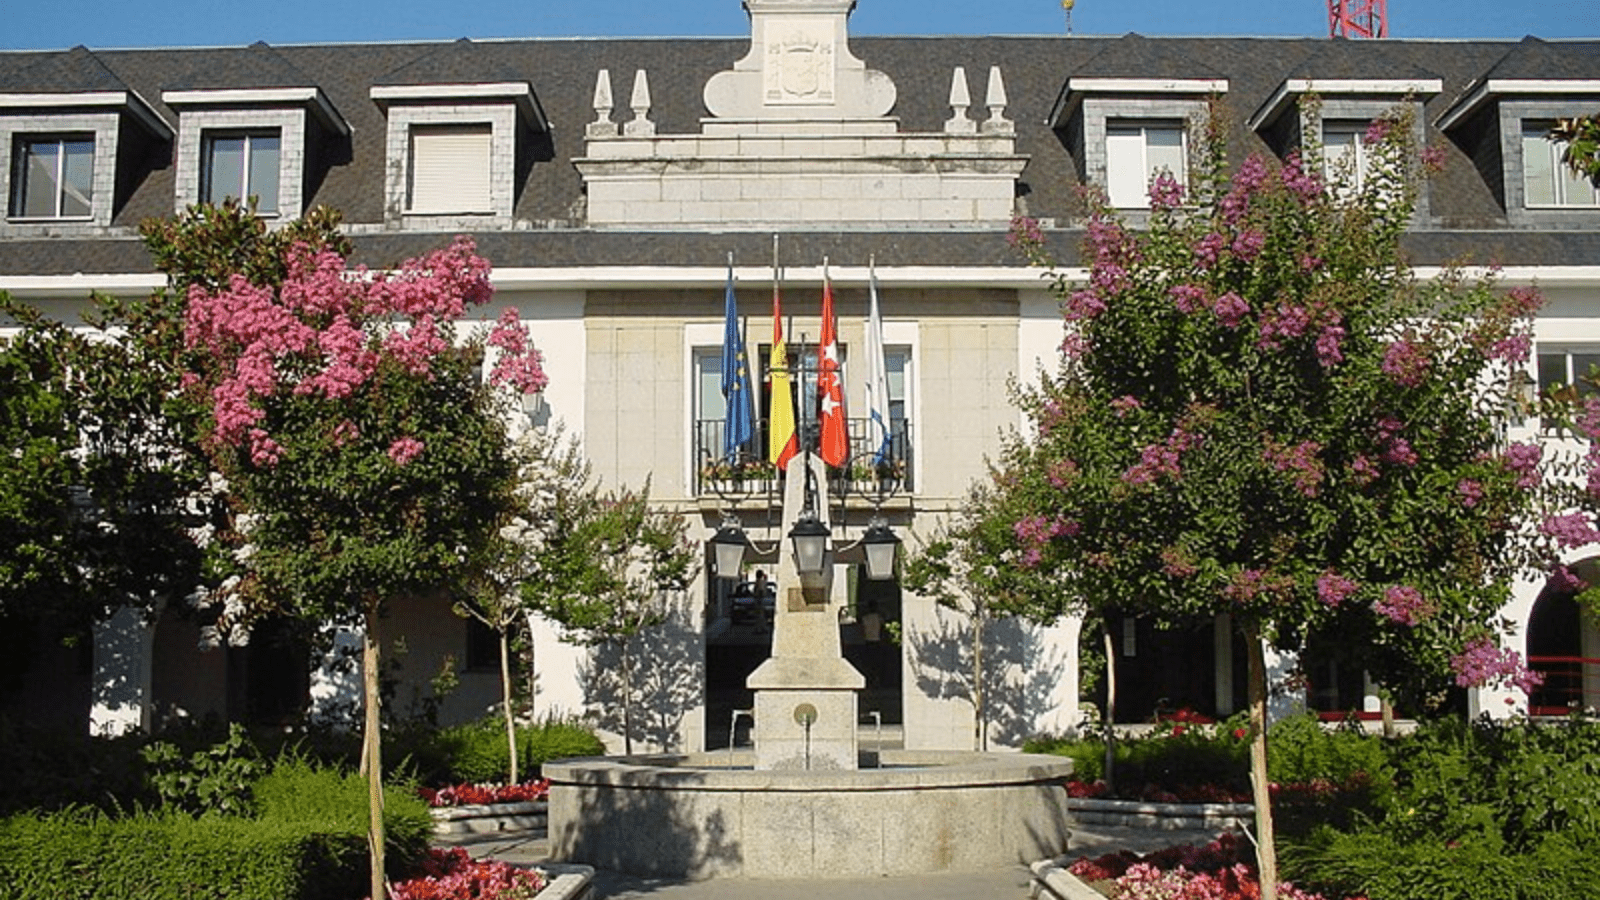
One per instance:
(1564, 646)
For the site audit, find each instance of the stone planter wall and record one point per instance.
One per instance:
(1161, 816)
(491, 818)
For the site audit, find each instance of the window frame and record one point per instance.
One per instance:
(481, 184)
(19, 194)
(1120, 129)
(207, 192)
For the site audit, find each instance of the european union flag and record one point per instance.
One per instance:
(739, 425)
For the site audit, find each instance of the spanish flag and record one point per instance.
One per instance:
(782, 445)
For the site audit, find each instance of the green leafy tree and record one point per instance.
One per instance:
(611, 577)
(554, 493)
(349, 420)
(39, 546)
(1261, 413)
(970, 565)
(1581, 134)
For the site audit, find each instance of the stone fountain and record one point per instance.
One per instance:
(803, 803)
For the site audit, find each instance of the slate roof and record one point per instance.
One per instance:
(1469, 220)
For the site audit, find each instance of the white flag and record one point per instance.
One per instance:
(877, 378)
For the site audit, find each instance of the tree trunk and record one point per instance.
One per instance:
(980, 702)
(371, 749)
(1266, 842)
(505, 698)
(1387, 711)
(627, 699)
(1109, 724)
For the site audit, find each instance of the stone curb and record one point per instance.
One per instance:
(568, 881)
(1052, 881)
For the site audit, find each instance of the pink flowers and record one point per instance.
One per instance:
(1034, 532)
(1523, 459)
(1470, 491)
(405, 450)
(327, 331)
(1231, 309)
(1406, 362)
(1157, 460)
(1483, 663)
(1570, 531)
(1333, 588)
(1403, 604)
(1188, 298)
(1299, 462)
(519, 365)
(1165, 192)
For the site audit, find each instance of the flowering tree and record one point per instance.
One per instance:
(352, 426)
(1261, 413)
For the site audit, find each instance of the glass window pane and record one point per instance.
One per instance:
(264, 171)
(1164, 152)
(1576, 189)
(224, 169)
(77, 187)
(1582, 365)
(708, 377)
(40, 167)
(1552, 371)
(1538, 170)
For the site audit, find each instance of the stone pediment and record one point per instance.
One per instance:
(800, 133)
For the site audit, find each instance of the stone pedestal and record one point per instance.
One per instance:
(805, 710)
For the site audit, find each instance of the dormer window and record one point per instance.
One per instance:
(1125, 132)
(53, 178)
(261, 144)
(455, 150)
(1546, 180)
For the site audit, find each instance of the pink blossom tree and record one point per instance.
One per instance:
(368, 459)
(1260, 412)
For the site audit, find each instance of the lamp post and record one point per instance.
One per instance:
(879, 545)
(729, 544)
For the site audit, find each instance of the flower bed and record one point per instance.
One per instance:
(484, 794)
(453, 875)
(1220, 870)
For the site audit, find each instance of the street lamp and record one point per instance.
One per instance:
(879, 545)
(729, 543)
(810, 539)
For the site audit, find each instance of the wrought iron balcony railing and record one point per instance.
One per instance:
(750, 472)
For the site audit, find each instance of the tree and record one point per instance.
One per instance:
(553, 494)
(1581, 134)
(609, 579)
(970, 565)
(1260, 412)
(363, 449)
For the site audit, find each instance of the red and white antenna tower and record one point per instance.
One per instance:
(1358, 18)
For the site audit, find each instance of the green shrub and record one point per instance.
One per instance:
(48, 768)
(476, 753)
(1374, 865)
(305, 841)
(214, 779)
(172, 856)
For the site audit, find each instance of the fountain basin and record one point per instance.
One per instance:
(711, 815)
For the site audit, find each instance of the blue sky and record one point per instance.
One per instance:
(104, 24)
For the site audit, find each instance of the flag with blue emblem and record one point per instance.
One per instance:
(739, 424)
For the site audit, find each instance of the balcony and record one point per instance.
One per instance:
(752, 475)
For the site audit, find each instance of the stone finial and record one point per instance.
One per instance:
(997, 123)
(960, 100)
(602, 126)
(640, 126)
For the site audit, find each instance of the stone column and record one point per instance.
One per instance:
(120, 695)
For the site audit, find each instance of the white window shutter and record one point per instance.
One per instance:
(450, 169)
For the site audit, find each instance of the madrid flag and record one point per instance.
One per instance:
(835, 445)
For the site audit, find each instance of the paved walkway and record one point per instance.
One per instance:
(1003, 883)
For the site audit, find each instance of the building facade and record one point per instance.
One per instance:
(610, 181)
